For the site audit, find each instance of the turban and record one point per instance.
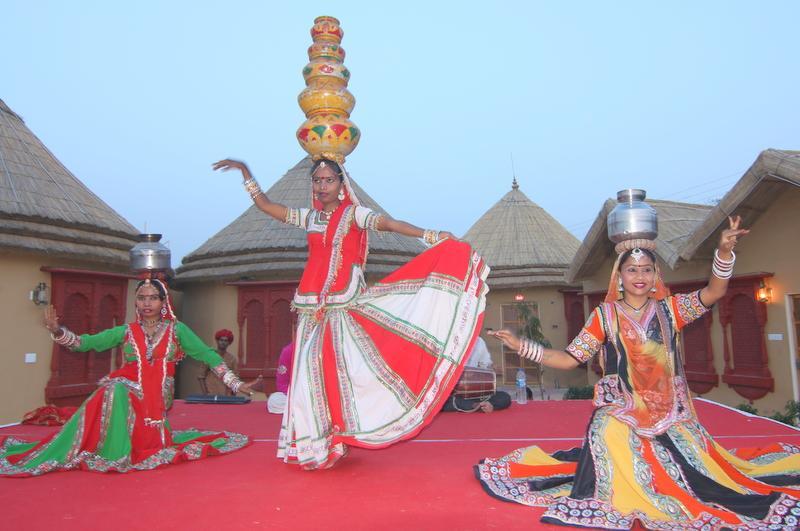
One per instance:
(224, 333)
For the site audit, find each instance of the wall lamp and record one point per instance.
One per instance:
(764, 293)
(39, 294)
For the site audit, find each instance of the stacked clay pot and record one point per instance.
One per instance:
(326, 102)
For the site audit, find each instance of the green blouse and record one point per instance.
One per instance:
(188, 340)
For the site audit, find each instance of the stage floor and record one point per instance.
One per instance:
(426, 483)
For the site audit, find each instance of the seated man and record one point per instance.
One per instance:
(479, 358)
(210, 383)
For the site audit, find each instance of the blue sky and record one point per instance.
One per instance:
(138, 99)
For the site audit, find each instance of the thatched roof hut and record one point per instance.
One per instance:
(772, 173)
(45, 209)
(676, 221)
(522, 243)
(256, 247)
(685, 229)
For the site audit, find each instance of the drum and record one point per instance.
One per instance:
(476, 384)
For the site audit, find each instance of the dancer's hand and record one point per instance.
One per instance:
(508, 338)
(730, 236)
(487, 407)
(230, 164)
(51, 319)
(247, 388)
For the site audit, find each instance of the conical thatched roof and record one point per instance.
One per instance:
(522, 243)
(255, 246)
(44, 208)
(676, 222)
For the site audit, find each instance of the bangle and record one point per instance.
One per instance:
(430, 236)
(721, 268)
(67, 338)
(252, 187)
(228, 377)
(530, 349)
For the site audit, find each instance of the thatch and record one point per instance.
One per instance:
(676, 221)
(45, 209)
(255, 246)
(523, 244)
(772, 173)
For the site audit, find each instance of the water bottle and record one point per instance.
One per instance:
(522, 387)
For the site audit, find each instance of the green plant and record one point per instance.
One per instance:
(747, 408)
(532, 326)
(789, 415)
(579, 393)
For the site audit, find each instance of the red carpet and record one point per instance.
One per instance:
(426, 483)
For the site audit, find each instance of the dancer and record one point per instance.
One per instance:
(371, 365)
(123, 425)
(645, 456)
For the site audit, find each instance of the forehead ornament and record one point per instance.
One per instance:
(637, 255)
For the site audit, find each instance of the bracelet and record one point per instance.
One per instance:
(228, 377)
(530, 349)
(722, 269)
(430, 236)
(252, 187)
(373, 220)
(67, 338)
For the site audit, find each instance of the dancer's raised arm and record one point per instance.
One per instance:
(724, 257)
(276, 210)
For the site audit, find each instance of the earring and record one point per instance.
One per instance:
(653, 289)
(316, 197)
(619, 286)
(341, 195)
(163, 311)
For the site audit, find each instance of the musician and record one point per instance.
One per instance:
(481, 359)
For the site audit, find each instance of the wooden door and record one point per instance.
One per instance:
(87, 303)
(265, 323)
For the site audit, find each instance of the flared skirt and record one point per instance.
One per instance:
(375, 372)
(681, 479)
(109, 433)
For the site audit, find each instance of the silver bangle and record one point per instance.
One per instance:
(721, 268)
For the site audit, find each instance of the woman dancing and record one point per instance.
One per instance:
(645, 456)
(123, 425)
(371, 365)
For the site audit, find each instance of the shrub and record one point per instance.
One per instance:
(579, 393)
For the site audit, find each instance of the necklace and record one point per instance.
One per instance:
(150, 339)
(635, 309)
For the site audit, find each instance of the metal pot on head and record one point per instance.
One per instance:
(632, 218)
(150, 255)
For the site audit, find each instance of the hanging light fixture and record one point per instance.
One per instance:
(764, 293)
(519, 297)
(39, 294)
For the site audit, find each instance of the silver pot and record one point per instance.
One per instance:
(632, 218)
(150, 254)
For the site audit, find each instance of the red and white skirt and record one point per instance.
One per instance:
(375, 371)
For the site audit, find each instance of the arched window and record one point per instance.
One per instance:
(265, 326)
(698, 353)
(743, 319)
